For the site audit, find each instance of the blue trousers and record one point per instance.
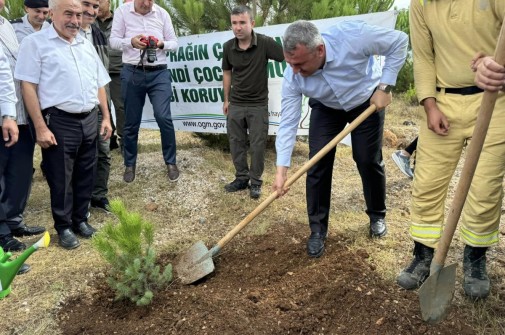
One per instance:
(16, 170)
(325, 124)
(135, 84)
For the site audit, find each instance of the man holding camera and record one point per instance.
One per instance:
(144, 31)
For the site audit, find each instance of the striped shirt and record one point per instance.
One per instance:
(10, 46)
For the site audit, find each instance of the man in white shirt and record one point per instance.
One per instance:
(34, 20)
(133, 23)
(63, 81)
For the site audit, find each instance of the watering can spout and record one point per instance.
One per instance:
(9, 268)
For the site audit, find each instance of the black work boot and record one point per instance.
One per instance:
(416, 273)
(476, 282)
(237, 185)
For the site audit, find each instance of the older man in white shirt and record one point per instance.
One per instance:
(63, 81)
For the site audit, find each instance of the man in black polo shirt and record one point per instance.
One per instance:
(245, 85)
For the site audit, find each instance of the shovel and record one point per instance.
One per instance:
(197, 261)
(435, 295)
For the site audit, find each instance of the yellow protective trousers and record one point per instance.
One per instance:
(436, 160)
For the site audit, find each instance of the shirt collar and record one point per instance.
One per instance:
(52, 34)
(132, 9)
(254, 41)
(330, 54)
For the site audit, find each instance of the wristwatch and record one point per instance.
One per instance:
(9, 117)
(385, 87)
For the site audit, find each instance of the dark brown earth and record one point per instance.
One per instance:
(267, 285)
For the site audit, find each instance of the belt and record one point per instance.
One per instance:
(462, 91)
(59, 112)
(148, 68)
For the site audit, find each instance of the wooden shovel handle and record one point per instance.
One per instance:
(473, 154)
(297, 175)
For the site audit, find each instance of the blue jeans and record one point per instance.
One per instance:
(135, 84)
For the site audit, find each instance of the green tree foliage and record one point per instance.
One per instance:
(128, 248)
(13, 9)
(187, 15)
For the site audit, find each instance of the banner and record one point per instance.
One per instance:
(197, 101)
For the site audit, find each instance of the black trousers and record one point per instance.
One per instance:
(16, 169)
(325, 124)
(70, 166)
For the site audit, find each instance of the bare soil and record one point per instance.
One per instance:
(267, 285)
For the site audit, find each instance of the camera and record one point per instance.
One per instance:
(152, 45)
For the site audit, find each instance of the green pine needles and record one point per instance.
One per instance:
(128, 248)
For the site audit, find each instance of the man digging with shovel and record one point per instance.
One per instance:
(338, 71)
(445, 37)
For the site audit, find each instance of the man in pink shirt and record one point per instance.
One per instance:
(145, 72)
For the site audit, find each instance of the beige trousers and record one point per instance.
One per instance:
(436, 160)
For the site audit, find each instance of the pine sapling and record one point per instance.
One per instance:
(128, 248)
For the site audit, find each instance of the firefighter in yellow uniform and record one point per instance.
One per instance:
(445, 36)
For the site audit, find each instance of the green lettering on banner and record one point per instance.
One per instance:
(208, 74)
(175, 96)
(214, 94)
(276, 69)
(217, 49)
(189, 53)
(180, 75)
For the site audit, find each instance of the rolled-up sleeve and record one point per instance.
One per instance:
(117, 38)
(169, 38)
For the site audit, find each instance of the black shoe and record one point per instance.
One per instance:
(172, 172)
(27, 231)
(9, 243)
(24, 269)
(416, 273)
(315, 244)
(236, 185)
(129, 174)
(102, 204)
(378, 227)
(255, 191)
(83, 229)
(476, 281)
(68, 240)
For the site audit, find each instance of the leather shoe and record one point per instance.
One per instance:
(173, 172)
(83, 229)
(315, 244)
(378, 227)
(27, 231)
(129, 174)
(24, 269)
(9, 243)
(68, 240)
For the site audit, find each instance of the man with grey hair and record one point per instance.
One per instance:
(63, 82)
(339, 72)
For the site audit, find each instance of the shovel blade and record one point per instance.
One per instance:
(194, 264)
(435, 295)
